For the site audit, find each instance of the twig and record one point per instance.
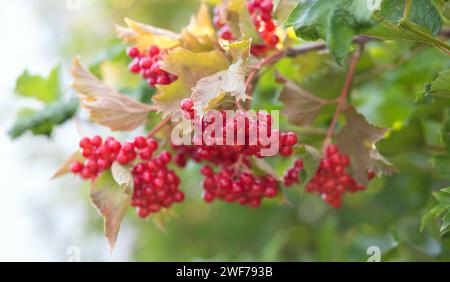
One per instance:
(158, 127)
(344, 94)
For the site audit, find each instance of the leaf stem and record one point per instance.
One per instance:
(342, 100)
(159, 126)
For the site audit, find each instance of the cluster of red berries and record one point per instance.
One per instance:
(100, 155)
(187, 106)
(331, 180)
(149, 66)
(243, 188)
(292, 175)
(261, 13)
(256, 128)
(155, 186)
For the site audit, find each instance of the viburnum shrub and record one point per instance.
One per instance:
(282, 135)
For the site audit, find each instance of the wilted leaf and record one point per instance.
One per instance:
(189, 67)
(211, 89)
(199, 35)
(107, 106)
(111, 201)
(337, 22)
(357, 140)
(144, 35)
(45, 89)
(121, 174)
(380, 165)
(300, 107)
(65, 167)
(42, 122)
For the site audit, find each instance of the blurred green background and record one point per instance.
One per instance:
(49, 218)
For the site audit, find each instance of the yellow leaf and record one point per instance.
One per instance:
(199, 35)
(145, 35)
(211, 89)
(189, 67)
(106, 106)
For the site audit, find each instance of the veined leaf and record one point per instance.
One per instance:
(336, 22)
(199, 35)
(107, 106)
(189, 67)
(300, 107)
(357, 140)
(144, 35)
(111, 201)
(211, 89)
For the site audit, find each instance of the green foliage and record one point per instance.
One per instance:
(42, 122)
(440, 86)
(46, 89)
(337, 22)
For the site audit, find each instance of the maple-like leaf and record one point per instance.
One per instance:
(144, 35)
(211, 89)
(189, 67)
(357, 140)
(107, 106)
(111, 201)
(300, 106)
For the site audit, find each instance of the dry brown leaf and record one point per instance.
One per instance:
(107, 106)
(65, 167)
(300, 107)
(357, 140)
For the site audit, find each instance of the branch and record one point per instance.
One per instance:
(159, 126)
(344, 94)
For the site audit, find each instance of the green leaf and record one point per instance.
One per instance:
(442, 164)
(423, 16)
(445, 133)
(111, 201)
(337, 22)
(423, 13)
(441, 86)
(42, 122)
(446, 221)
(311, 161)
(46, 89)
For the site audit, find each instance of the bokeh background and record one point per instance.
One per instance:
(42, 218)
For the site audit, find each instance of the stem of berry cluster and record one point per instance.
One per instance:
(342, 100)
(159, 126)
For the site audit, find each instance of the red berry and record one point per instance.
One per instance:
(133, 52)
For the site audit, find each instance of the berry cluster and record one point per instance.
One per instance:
(261, 13)
(243, 188)
(100, 155)
(255, 128)
(155, 186)
(292, 175)
(187, 106)
(331, 180)
(148, 64)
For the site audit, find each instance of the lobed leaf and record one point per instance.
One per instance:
(45, 89)
(357, 140)
(111, 201)
(107, 106)
(300, 107)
